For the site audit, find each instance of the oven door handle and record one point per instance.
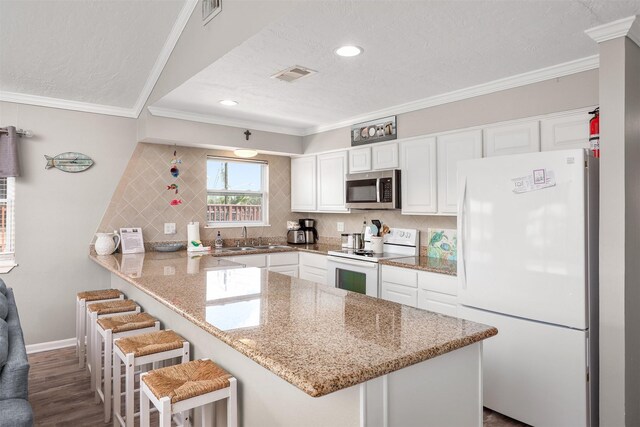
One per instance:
(347, 261)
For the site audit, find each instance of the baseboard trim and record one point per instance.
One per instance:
(51, 345)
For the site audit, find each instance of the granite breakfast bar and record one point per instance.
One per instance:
(307, 354)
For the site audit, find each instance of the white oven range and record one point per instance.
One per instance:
(358, 270)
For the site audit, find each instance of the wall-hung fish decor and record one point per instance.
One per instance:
(69, 162)
(174, 173)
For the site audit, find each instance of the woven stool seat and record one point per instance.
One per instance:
(151, 343)
(99, 294)
(181, 382)
(128, 322)
(111, 307)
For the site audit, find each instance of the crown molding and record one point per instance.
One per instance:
(628, 27)
(64, 104)
(165, 53)
(223, 121)
(548, 73)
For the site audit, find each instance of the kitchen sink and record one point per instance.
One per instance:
(272, 247)
(240, 249)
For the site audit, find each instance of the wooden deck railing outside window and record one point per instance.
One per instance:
(234, 213)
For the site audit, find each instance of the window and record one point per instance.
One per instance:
(7, 223)
(236, 192)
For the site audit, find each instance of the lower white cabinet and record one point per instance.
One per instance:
(289, 270)
(259, 261)
(312, 267)
(438, 303)
(284, 263)
(400, 294)
(399, 285)
(422, 289)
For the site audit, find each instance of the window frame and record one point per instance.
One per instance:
(265, 195)
(7, 258)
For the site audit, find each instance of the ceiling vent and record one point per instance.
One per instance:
(292, 74)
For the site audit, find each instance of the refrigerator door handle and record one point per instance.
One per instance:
(461, 226)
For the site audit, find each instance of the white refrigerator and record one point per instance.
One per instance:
(528, 265)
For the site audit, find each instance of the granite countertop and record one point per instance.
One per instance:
(318, 248)
(318, 338)
(433, 265)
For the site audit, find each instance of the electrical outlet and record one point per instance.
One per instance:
(169, 228)
(341, 226)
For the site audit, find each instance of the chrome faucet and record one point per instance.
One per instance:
(244, 235)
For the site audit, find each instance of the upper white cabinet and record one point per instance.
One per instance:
(360, 159)
(515, 138)
(418, 180)
(384, 156)
(451, 149)
(373, 157)
(332, 167)
(565, 132)
(303, 184)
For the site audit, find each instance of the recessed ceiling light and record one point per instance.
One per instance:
(349, 51)
(229, 102)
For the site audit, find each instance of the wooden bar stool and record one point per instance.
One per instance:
(99, 310)
(82, 298)
(138, 350)
(180, 388)
(108, 329)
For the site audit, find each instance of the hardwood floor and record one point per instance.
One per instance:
(60, 393)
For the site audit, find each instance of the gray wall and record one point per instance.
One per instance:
(619, 233)
(550, 96)
(57, 213)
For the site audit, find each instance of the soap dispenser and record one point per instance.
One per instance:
(218, 242)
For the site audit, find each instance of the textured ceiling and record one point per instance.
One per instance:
(99, 52)
(412, 50)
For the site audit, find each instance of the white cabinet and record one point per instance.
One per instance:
(360, 159)
(259, 261)
(429, 291)
(288, 270)
(303, 184)
(418, 180)
(515, 138)
(313, 267)
(437, 293)
(374, 157)
(332, 168)
(451, 149)
(399, 285)
(384, 156)
(565, 132)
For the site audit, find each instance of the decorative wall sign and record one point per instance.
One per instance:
(210, 8)
(69, 162)
(443, 244)
(374, 131)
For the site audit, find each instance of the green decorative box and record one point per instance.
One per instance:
(443, 244)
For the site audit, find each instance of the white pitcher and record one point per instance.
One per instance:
(106, 243)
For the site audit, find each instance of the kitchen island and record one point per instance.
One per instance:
(307, 354)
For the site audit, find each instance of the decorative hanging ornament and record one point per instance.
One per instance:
(175, 161)
(173, 187)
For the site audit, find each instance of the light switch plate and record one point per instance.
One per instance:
(341, 226)
(169, 228)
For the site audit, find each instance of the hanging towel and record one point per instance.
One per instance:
(9, 165)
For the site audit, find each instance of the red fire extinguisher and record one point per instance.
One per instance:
(594, 132)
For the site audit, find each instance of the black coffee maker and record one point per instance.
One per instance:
(308, 226)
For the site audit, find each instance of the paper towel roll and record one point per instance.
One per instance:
(193, 233)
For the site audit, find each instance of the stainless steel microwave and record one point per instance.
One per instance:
(373, 190)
